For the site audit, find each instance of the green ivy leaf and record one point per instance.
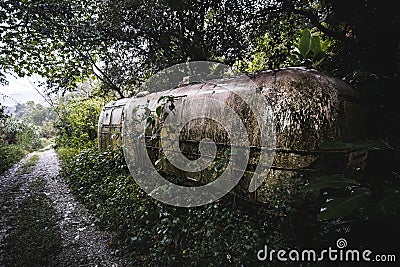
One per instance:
(315, 44)
(324, 45)
(333, 181)
(341, 207)
(305, 42)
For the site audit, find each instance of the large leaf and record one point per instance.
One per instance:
(305, 42)
(341, 207)
(315, 44)
(333, 181)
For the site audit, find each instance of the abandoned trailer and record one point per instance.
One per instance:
(311, 112)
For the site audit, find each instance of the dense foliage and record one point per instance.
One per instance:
(21, 132)
(10, 154)
(122, 42)
(151, 232)
(28, 123)
(76, 124)
(17, 137)
(37, 114)
(24, 131)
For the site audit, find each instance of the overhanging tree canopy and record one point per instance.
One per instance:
(124, 41)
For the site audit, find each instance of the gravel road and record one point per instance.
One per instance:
(82, 243)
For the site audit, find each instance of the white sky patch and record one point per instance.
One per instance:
(21, 90)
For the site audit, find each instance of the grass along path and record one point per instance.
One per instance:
(29, 164)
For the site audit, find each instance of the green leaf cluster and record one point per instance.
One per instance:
(310, 51)
(20, 132)
(76, 125)
(9, 155)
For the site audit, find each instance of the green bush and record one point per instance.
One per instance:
(21, 132)
(10, 154)
(76, 126)
(151, 232)
(67, 155)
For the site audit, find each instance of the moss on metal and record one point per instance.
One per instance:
(309, 109)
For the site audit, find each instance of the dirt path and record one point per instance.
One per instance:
(41, 223)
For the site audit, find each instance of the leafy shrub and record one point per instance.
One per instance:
(10, 154)
(77, 124)
(29, 137)
(151, 232)
(3, 114)
(372, 193)
(310, 51)
(346, 197)
(21, 132)
(67, 155)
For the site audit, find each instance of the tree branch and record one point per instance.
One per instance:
(316, 23)
(48, 100)
(103, 76)
(289, 7)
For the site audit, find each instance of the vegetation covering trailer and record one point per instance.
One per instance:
(315, 116)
